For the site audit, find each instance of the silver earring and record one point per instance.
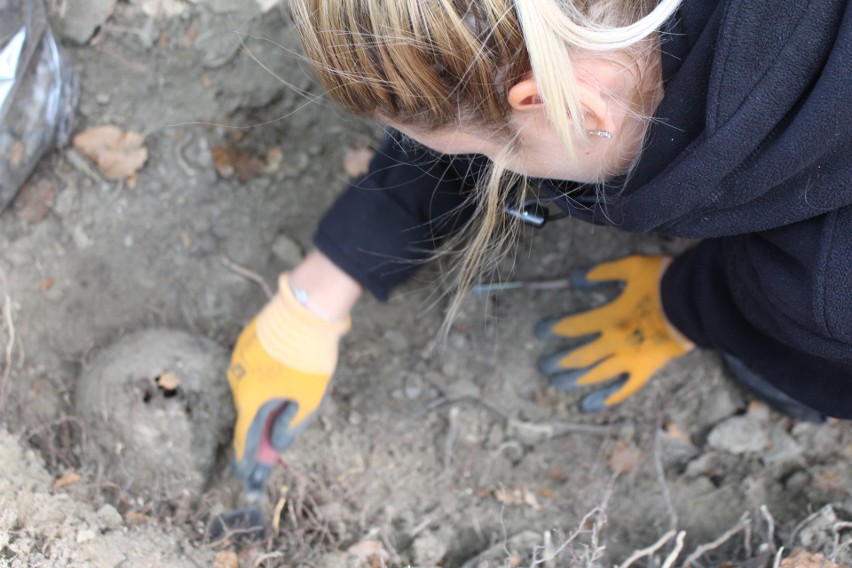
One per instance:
(600, 134)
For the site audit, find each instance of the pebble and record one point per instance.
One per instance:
(86, 535)
(740, 435)
(81, 239)
(783, 450)
(817, 440)
(461, 388)
(703, 465)
(83, 18)
(413, 388)
(66, 202)
(427, 549)
(217, 48)
(722, 404)
(109, 518)
(529, 433)
(103, 98)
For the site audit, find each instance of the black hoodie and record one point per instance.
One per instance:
(751, 151)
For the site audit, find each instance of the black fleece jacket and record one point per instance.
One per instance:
(751, 151)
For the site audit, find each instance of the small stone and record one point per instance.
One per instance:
(817, 440)
(81, 239)
(83, 18)
(216, 47)
(412, 392)
(103, 98)
(109, 518)
(86, 535)
(783, 448)
(529, 433)
(723, 404)
(288, 251)
(705, 464)
(740, 435)
(462, 388)
(427, 549)
(67, 201)
(797, 482)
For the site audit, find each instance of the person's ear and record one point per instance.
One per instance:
(596, 106)
(524, 96)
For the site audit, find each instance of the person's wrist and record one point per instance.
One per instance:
(324, 288)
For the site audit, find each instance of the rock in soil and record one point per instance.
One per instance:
(740, 435)
(158, 410)
(83, 18)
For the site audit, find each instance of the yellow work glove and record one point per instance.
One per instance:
(280, 372)
(622, 343)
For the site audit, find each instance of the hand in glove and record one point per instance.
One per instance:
(280, 371)
(623, 342)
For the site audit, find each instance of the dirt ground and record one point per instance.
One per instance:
(423, 455)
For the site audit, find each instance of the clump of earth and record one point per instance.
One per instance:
(457, 454)
(157, 410)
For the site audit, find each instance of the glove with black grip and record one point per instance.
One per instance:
(280, 371)
(619, 345)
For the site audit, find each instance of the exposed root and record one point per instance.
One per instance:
(778, 558)
(245, 272)
(700, 551)
(598, 514)
(672, 557)
(648, 551)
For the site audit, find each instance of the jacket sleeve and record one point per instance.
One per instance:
(388, 223)
(779, 300)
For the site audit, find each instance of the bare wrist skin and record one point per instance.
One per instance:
(331, 292)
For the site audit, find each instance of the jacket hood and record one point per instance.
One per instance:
(755, 129)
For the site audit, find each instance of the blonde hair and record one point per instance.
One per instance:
(431, 64)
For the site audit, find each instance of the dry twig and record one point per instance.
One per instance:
(279, 508)
(791, 541)
(770, 527)
(672, 557)
(648, 551)
(571, 537)
(837, 528)
(700, 551)
(778, 555)
(599, 511)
